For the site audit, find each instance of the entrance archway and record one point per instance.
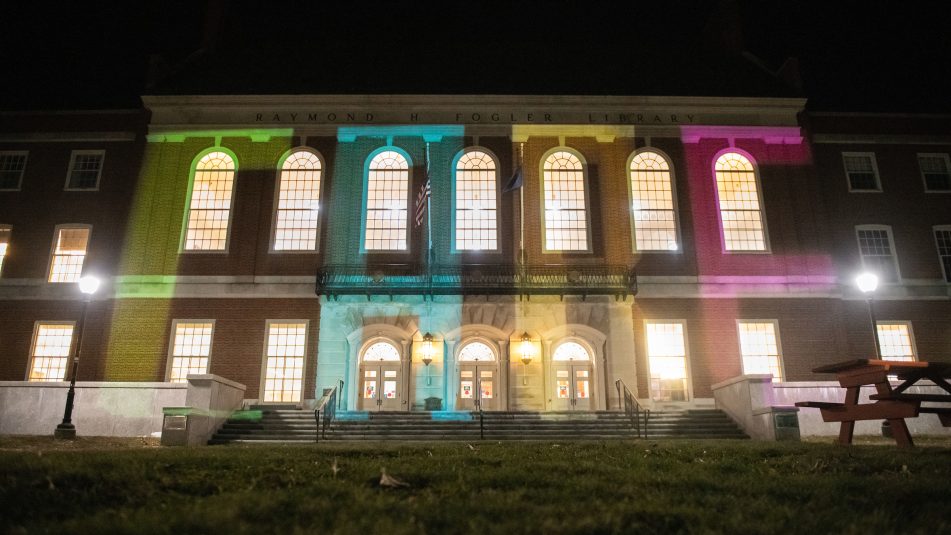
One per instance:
(380, 377)
(572, 377)
(479, 381)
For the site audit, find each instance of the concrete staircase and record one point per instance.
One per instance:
(282, 425)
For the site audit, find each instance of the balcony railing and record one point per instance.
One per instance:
(483, 279)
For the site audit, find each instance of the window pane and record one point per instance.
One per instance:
(12, 165)
(877, 254)
(476, 219)
(387, 192)
(381, 351)
(190, 350)
(210, 205)
(4, 244)
(566, 219)
(84, 173)
(51, 348)
(571, 351)
(860, 169)
(69, 254)
(476, 351)
(895, 341)
(740, 210)
(943, 240)
(760, 349)
(655, 227)
(298, 203)
(284, 370)
(936, 171)
(667, 359)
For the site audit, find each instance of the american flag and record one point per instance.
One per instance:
(424, 192)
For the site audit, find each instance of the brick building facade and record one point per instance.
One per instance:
(833, 195)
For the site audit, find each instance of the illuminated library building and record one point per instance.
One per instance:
(454, 253)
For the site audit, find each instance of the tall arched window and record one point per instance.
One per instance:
(298, 202)
(652, 203)
(741, 213)
(387, 193)
(209, 208)
(476, 202)
(566, 217)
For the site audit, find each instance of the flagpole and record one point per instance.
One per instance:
(521, 212)
(429, 217)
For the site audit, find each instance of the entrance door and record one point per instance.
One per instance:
(381, 378)
(572, 387)
(478, 387)
(381, 387)
(573, 378)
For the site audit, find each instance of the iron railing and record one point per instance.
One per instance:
(628, 403)
(506, 279)
(326, 411)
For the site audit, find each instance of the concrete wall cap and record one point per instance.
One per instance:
(210, 377)
(778, 408)
(753, 378)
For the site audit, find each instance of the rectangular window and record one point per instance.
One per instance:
(85, 167)
(284, 361)
(895, 340)
(191, 347)
(935, 171)
(5, 232)
(12, 166)
(69, 253)
(52, 342)
(861, 171)
(878, 251)
(942, 237)
(759, 345)
(667, 360)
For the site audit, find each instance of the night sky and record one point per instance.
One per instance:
(853, 56)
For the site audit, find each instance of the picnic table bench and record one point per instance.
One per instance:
(891, 404)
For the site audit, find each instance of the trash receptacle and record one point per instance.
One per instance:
(175, 426)
(786, 425)
(433, 404)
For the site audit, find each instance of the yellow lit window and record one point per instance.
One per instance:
(895, 340)
(566, 218)
(667, 359)
(284, 369)
(298, 203)
(655, 226)
(571, 351)
(387, 192)
(476, 351)
(740, 205)
(51, 348)
(209, 209)
(760, 349)
(4, 244)
(69, 253)
(191, 348)
(476, 219)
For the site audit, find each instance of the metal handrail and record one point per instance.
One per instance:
(326, 411)
(628, 403)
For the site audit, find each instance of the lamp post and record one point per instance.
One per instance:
(428, 355)
(868, 283)
(88, 286)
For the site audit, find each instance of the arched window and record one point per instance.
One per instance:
(387, 192)
(652, 203)
(209, 208)
(566, 217)
(741, 214)
(476, 197)
(476, 351)
(298, 203)
(571, 351)
(381, 351)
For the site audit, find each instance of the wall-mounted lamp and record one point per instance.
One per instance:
(526, 349)
(427, 349)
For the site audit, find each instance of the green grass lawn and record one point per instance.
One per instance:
(543, 487)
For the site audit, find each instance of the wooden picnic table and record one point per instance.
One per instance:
(891, 404)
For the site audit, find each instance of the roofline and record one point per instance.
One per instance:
(879, 114)
(121, 111)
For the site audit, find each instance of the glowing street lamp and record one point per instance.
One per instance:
(88, 286)
(867, 284)
(526, 348)
(428, 350)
